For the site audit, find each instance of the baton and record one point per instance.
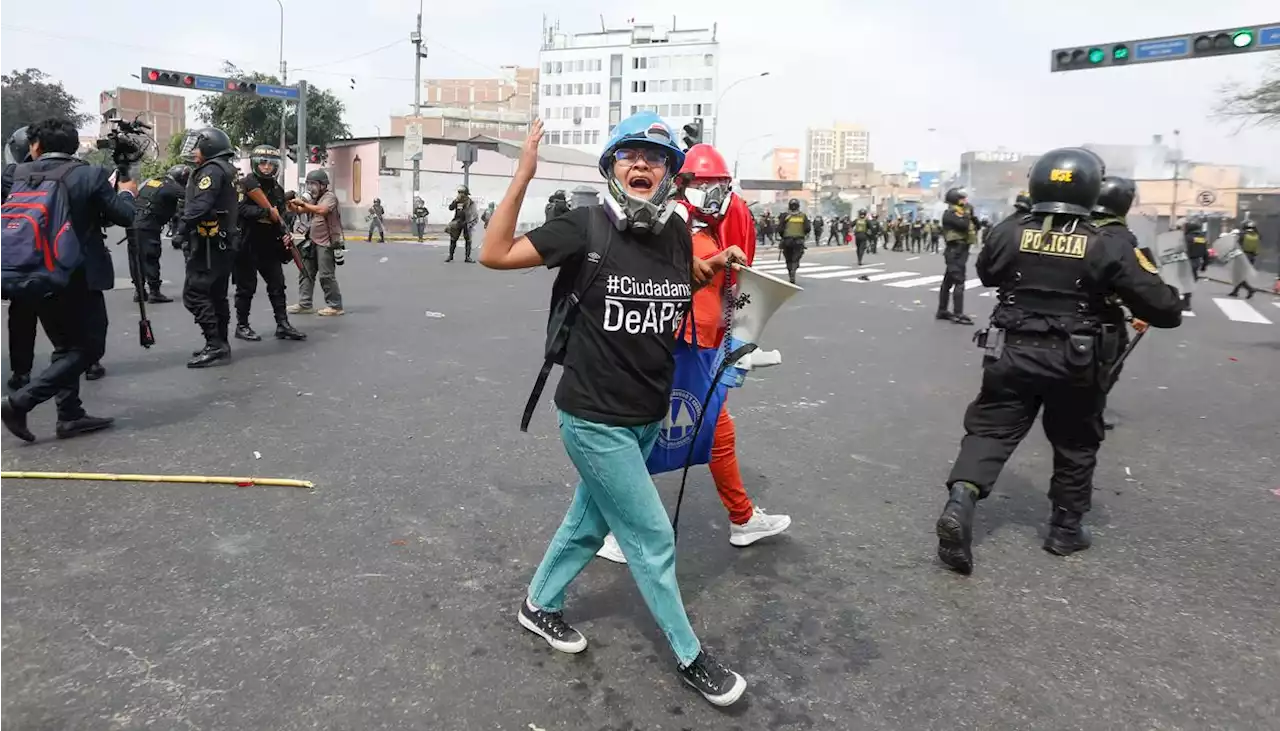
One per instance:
(1114, 371)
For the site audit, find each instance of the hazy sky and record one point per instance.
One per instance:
(976, 71)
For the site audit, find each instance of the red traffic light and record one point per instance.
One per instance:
(315, 153)
(231, 86)
(188, 79)
(153, 75)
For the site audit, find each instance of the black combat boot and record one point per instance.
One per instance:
(157, 297)
(955, 528)
(285, 331)
(1066, 535)
(244, 332)
(215, 349)
(94, 372)
(468, 258)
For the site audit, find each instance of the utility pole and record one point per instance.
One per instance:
(1177, 158)
(416, 38)
(284, 117)
(302, 137)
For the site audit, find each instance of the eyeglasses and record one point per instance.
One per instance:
(631, 155)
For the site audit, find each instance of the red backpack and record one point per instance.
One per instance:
(39, 249)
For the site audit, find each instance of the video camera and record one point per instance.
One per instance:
(128, 143)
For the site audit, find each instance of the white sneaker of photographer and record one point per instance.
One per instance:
(611, 551)
(761, 525)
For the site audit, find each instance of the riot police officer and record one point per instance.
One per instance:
(1115, 198)
(464, 218)
(209, 232)
(1197, 246)
(818, 225)
(959, 232)
(1021, 204)
(158, 200)
(1049, 345)
(557, 205)
(793, 228)
(263, 247)
(861, 234)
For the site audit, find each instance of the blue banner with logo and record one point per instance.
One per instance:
(695, 371)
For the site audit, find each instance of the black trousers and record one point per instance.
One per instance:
(204, 293)
(1014, 388)
(792, 251)
(834, 235)
(465, 232)
(22, 335)
(817, 236)
(956, 257)
(76, 322)
(254, 259)
(149, 243)
(861, 241)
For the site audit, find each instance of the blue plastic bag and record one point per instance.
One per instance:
(690, 426)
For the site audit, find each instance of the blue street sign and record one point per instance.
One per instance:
(210, 83)
(278, 92)
(1167, 48)
(1269, 37)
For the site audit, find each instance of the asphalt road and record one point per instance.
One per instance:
(386, 597)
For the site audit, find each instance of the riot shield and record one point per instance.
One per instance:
(1234, 265)
(1171, 256)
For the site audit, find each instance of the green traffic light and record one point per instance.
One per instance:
(1096, 55)
(1120, 53)
(1242, 39)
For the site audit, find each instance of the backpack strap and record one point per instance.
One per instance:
(599, 238)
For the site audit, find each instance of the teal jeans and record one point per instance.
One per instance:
(615, 493)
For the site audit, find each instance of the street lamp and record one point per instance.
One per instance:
(716, 117)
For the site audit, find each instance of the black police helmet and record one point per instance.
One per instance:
(179, 174)
(955, 195)
(862, 211)
(318, 176)
(793, 205)
(213, 142)
(559, 195)
(265, 154)
(1022, 203)
(1066, 180)
(1116, 196)
(1248, 224)
(18, 147)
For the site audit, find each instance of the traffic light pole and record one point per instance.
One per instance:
(416, 37)
(302, 136)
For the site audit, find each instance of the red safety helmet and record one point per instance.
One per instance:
(702, 161)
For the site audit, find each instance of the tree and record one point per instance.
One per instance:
(1257, 105)
(253, 120)
(30, 96)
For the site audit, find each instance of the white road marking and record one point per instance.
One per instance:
(1277, 304)
(912, 258)
(1188, 313)
(1239, 311)
(844, 272)
(887, 276)
(922, 281)
(987, 294)
(831, 268)
(971, 283)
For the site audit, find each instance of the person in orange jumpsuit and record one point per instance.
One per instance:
(718, 219)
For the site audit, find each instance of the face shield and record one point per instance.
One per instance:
(265, 165)
(189, 141)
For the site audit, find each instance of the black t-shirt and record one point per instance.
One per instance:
(618, 366)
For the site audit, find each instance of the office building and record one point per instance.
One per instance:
(590, 81)
(828, 149)
(166, 113)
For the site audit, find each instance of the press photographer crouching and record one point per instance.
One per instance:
(60, 198)
(627, 274)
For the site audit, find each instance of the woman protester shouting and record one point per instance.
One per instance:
(640, 273)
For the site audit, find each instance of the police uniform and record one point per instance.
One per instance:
(818, 225)
(861, 234)
(261, 252)
(959, 232)
(158, 200)
(793, 229)
(917, 235)
(1197, 247)
(209, 230)
(1049, 346)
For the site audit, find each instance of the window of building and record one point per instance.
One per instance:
(577, 113)
(615, 116)
(577, 137)
(688, 84)
(664, 110)
(546, 113)
(556, 89)
(686, 110)
(706, 85)
(559, 67)
(640, 62)
(565, 112)
(615, 64)
(546, 67)
(615, 90)
(595, 137)
(580, 65)
(634, 109)
(546, 89)
(553, 138)
(577, 89)
(597, 65)
(709, 60)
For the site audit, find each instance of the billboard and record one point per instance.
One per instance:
(785, 164)
(930, 179)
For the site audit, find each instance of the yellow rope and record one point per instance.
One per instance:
(199, 479)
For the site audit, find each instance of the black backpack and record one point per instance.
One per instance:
(572, 281)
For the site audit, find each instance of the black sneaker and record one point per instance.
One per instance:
(551, 627)
(718, 684)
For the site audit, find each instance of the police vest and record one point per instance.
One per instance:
(1249, 241)
(1051, 275)
(793, 228)
(860, 226)
(954, 236)
(144, 218)
(222, 222)
(265, 231)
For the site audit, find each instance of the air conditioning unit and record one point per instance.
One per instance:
(577, 120)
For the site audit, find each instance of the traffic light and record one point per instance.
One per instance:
(692, 133)
(169, 78)
(316, 154)
(1265, 37)
(242, 87)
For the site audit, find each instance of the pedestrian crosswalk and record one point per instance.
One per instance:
(1235, 310)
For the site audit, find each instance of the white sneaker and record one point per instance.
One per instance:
(611, 551)
(761, 525)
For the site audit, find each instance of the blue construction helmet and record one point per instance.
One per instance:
(644, 128)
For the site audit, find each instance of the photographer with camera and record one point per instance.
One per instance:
(209, 230)
(72, 311)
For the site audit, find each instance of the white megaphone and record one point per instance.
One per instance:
(756, 296)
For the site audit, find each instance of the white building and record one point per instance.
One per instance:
(829, 149)
(591, 81)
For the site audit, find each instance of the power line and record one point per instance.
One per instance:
(351, 58)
